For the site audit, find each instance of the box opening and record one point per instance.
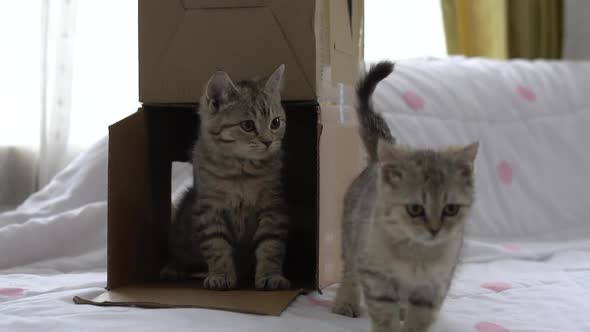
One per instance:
(170, 132)
(142, 148)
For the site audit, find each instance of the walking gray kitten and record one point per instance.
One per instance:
(232, 223)
(403, 223)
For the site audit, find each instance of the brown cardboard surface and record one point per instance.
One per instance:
(141, 148)
(181, 42)
(129, 201)
(190, 296)
(341, 160)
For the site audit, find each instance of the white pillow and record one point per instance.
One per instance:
(532, 119)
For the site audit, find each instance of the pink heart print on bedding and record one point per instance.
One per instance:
(504, 170)
(11, 292)
(526, 93)
(511, 247)
(497, 286)
(413, 100)
(490, 327)
(320, 302)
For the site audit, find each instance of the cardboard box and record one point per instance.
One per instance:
(181, 42)
(141, 150)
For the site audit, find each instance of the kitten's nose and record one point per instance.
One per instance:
(267, 143)
(434, 231)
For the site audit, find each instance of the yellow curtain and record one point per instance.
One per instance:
(504, 29)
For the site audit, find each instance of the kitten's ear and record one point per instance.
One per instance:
(470, 151)
(219, 88)
(389, 156)
(467, 155)
(274, 83)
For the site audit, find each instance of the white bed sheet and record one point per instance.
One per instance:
(499, 296)
(521, 272)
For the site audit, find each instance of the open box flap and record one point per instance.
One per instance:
(187, 296)
(130, 198)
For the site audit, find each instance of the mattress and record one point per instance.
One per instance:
(526, 263)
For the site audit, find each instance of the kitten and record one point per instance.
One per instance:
(232, 223)
(403, 223)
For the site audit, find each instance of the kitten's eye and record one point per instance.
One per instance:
(451, 210)
(247, 125)
(415, 210)
(275, 124)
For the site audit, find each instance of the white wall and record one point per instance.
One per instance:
(576, 41)
(400, 29)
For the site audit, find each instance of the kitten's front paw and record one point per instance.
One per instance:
(220, 281)
(346, 309)
(272, 282)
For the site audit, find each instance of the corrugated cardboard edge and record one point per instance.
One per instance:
(340, 161)
(286, 297)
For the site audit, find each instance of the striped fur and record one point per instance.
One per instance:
(233, 224)
(403, 224)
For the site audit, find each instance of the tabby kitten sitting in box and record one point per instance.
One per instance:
(232, 224)
(403, 223)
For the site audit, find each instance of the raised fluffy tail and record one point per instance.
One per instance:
(373, 126)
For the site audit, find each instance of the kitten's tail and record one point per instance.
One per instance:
(373, 126)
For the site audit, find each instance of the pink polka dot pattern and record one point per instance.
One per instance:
(11, 292)
(319, 302)
(526, 93)
(413, 100)
(490, 327)
(504, 172)
(512, 247)
(497, 286)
